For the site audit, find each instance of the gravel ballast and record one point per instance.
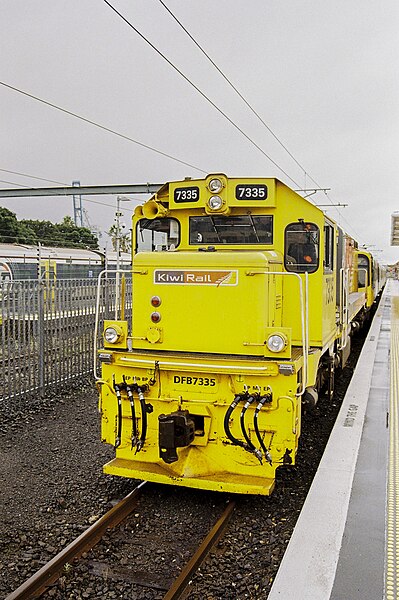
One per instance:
(53, 488)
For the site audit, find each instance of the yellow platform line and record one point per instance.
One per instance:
(392, 539)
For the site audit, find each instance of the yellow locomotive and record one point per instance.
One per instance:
(244, 295)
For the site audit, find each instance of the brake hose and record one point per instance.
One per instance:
(266, 452)
(134, 424)
(143, 407)
(251, 447)
(236, 442)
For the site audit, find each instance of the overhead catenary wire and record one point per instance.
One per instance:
(237, 91)
(61, 183)
(171, 64)
(125, 209)
(12, 183)
(30, 177)
(103, 127)
(94, 123)
(247, 103)
(43, 241)
(14, 238)
(123, 136)
(234, 87)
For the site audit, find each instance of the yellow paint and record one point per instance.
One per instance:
(202, 310)
(209, 462)
(392, 544)
(217, 311)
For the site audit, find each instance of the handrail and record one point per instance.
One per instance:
(366, 284)
(344, 313)
(304, 307)
(344, 285)
(304, 316)
(97, 314)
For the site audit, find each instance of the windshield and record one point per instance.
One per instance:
(156, 235)
(243, 229)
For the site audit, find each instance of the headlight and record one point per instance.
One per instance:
(276, 342)
(215, 203)
(215, 186)
(111, 335)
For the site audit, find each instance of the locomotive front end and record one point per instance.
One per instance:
(201, 387)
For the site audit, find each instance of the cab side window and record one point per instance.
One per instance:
(157, 235)
(363, 270)
(328, 248)
(302, 242)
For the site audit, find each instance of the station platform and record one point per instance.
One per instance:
(345, 545)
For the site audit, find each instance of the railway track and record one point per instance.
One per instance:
(243, 564)
(174, 587)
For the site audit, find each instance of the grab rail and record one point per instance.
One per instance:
(304, 316)
(304, 308)
(97, 313)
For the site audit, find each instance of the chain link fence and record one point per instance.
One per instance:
(47, 334)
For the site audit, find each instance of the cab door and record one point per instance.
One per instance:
(329, 280)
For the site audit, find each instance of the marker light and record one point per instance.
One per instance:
(111, 335)
(276, 342)
(215, 186)
(155, 317)
(215, 203)
(156, 301)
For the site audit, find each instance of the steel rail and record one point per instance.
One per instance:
(49, 573)
(183, 580)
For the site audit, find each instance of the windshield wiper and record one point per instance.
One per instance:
(214, 226)
(254, 228)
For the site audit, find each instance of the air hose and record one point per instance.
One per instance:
(262, 402)
(251, 447)
(234, 440)
(143, 407)
(134, 424)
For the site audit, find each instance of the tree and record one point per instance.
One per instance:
(65, 234)
(124, 239)
(44, 231)
(13, 231)
(77, 236)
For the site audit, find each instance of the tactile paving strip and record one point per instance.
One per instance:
(392, 540)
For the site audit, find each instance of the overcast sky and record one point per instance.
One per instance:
(322, 75)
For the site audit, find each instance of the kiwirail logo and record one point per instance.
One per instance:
(194, 277)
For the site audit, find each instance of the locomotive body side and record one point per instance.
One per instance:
(238, 319)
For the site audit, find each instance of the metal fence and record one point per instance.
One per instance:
(47, 334)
